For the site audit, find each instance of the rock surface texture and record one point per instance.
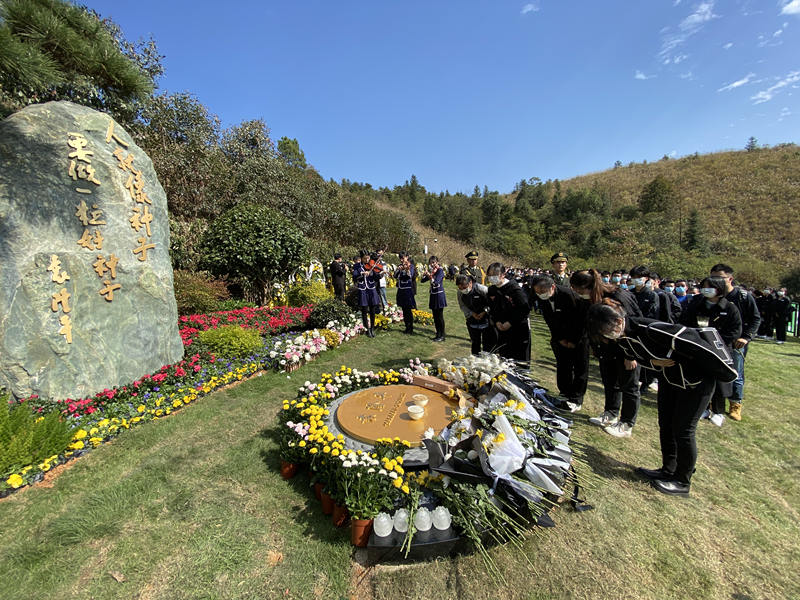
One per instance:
(86, 291)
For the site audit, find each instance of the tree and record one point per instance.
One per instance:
(658, 196)
(695, 238)
(55, 50)
(791, 281)
(289, 150)
(617, 164)
(752, 144)
(254, 243)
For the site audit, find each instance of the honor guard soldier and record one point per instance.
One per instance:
(472, 269)
(559, 263)
(438, 298)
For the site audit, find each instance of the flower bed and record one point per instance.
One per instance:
(267, 320)
(496, 468)
(105, 415)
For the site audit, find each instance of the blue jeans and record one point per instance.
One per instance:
(738, 364)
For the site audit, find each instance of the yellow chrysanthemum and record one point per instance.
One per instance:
(15, 480)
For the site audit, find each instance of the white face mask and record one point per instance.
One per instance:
(669, 289)
(585, 296)
(493, 279)
(765, 292)
(709, 292)
(781, 294)
(638, 281)
(615, 334)
(545, 296)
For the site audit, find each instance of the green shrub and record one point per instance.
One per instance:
(232, 304)
(26, 438)
(327, 311)
(198, 293)
(231, 341)
(304, 293)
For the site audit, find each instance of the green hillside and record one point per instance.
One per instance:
(678, 215)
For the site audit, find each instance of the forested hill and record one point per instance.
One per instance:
(678, 215)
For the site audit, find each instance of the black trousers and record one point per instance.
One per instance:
(371, 309)
(438, 321)
(515, 343)
(780, 329)
(408, 319)
(338, 291)
(572, 369)
(679, 411)
(482, 338)
(621, 388)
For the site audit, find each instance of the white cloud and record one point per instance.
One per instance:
(743, 81)
(641, 76)
(530, 7)
(673, 154)
(728, 46)
(703, 13)
(785, 112)
(769, 93)
(690, 25)
(687, 75)
(791, 8)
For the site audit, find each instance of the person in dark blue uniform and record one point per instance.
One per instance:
(405, 274)
(368, 299)
(438, 299)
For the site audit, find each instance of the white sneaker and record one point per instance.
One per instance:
(604, 420)
(717, 419)
(706, 414)
(653, 386)
(780, 342)
(573, 407)
(619, 430)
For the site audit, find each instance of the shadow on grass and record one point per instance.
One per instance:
(604, 466)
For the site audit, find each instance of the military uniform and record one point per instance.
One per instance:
(368, 297)
(437, 301)
(405, 294)
(559, 279)
(477, 273)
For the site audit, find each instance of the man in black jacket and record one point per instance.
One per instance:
(782, 310)
(565, 315)
(751, 319)
(338, 276)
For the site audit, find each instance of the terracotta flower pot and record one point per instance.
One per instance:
(339, 515)
(359, 531)
(318, 490)
(288, 469)
(327, 503)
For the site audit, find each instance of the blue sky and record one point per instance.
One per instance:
(484, 92)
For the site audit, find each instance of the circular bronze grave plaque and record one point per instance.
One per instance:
(382, 412)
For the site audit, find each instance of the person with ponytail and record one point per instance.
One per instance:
(688, 364)
(620, 374)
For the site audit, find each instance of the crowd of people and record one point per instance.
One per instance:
(685, 340)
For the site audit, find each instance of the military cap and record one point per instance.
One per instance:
(558, 256)
(471, 254)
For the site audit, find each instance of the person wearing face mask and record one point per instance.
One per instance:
(751, 319)
(564, 314)
(474, 303)
(619, 374)
(438, 299)
(508, 313)
(669, 307)
(764, 303)
(782, 310)
(645, 296)
(689, 367)
(681, 291)
(714, 309)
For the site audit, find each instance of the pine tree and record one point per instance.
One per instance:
(695, 238)
(752, 144)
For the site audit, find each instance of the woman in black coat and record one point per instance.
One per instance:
(405, 274)
(688, 366)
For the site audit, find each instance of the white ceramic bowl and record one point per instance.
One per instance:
(416, 412)
(420, 399)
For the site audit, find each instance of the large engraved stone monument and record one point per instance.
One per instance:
(86, 292)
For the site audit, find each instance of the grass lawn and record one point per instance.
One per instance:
(192, 506)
